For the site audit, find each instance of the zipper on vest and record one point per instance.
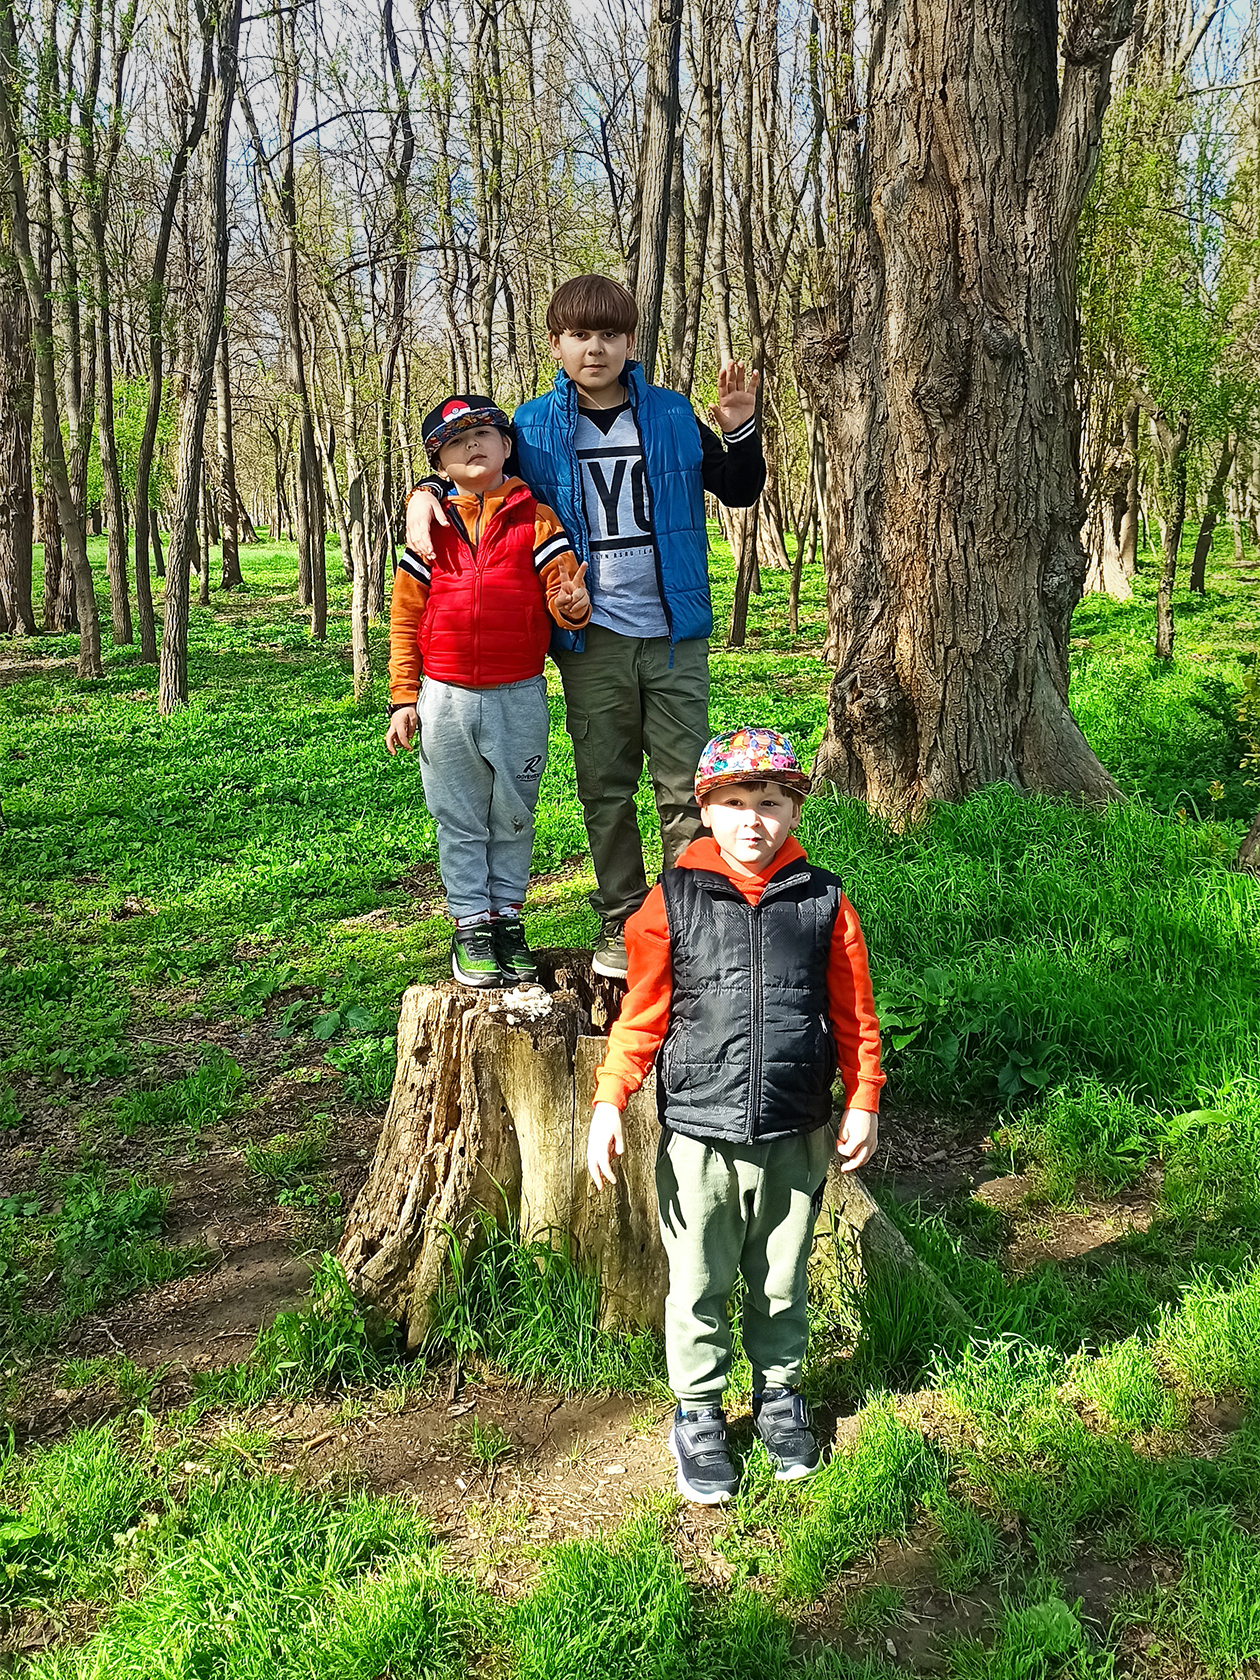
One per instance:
(754, 1049)
(656, 547)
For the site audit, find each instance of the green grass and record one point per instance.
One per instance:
(1088, 979)
(87, 1241)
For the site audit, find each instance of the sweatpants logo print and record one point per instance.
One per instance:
(532, 768)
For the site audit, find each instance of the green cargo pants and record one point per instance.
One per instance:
(728, 1208)
(623, 698)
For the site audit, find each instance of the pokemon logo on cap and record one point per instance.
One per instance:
(750, 755)
(460, 413)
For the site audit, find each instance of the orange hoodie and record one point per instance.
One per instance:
(639, 1030)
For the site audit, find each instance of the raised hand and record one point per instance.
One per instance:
(737, 397)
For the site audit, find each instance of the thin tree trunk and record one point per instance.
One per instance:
(1173, 444)
(1131, 520)
(146, 517)
(155, 537)
(1212, 511)
(228, 498)
(173, 673)
(650, 239)
(17, 417)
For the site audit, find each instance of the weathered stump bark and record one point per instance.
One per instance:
(489, 1114)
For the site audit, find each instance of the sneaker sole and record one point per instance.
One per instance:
(694, 1495)
(607, 969)
(798, 1472)
(478, 982)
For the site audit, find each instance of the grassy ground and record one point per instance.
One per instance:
(206, 926)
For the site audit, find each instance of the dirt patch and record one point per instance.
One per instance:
(919, 1633)
(1041, 1235)
(929, 1157)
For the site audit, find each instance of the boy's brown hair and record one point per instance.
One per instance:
(592, 302)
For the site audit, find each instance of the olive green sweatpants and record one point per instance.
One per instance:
(625, 697)
(731, 1208)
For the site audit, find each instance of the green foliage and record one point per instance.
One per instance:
(526, 1308)
(860, 1496)
(202, 1099)
(1210, 1341)
(286, 1155)
(260, 1579)
(625, 1611)
(98, 1240)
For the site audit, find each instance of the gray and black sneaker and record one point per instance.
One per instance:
(697, 1440)
(782, 1420)
(513, 955)
(609, 956)
(473, 962)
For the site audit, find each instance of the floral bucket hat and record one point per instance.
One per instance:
(750, 755)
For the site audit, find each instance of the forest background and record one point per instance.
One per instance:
(216, 885)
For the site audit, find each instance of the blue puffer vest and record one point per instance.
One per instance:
(672, 456)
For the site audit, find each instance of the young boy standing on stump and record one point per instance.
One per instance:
(479, 617)
(749, 989)
(626, 465)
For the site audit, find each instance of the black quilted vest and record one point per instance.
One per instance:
(748, 1054)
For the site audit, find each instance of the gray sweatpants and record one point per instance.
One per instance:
(482, 754)
(727, 1209)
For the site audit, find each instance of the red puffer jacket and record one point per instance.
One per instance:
(481, 614)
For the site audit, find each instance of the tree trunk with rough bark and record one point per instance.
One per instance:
(488, 1116)
(228, 498)
(650, 237)
(17, 419)
(1249, 852)
(945, 373)
(173, 667)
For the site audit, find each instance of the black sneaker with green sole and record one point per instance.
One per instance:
(473, 962)
(513, 955)
(609, 955)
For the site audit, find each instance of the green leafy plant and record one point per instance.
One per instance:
(201, 1099)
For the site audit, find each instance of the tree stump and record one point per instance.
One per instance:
(489, 1114)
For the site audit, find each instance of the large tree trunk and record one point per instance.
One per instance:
(17, 414)
(488, 1116)
(945, 371)
(46, 374)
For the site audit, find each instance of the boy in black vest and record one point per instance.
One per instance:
(748, 973)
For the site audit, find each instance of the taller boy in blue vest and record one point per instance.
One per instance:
(625, 464)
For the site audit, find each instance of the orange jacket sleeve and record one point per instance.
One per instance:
(555, 563)
(639, 1030)
(851, 1005)
(406, 612)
